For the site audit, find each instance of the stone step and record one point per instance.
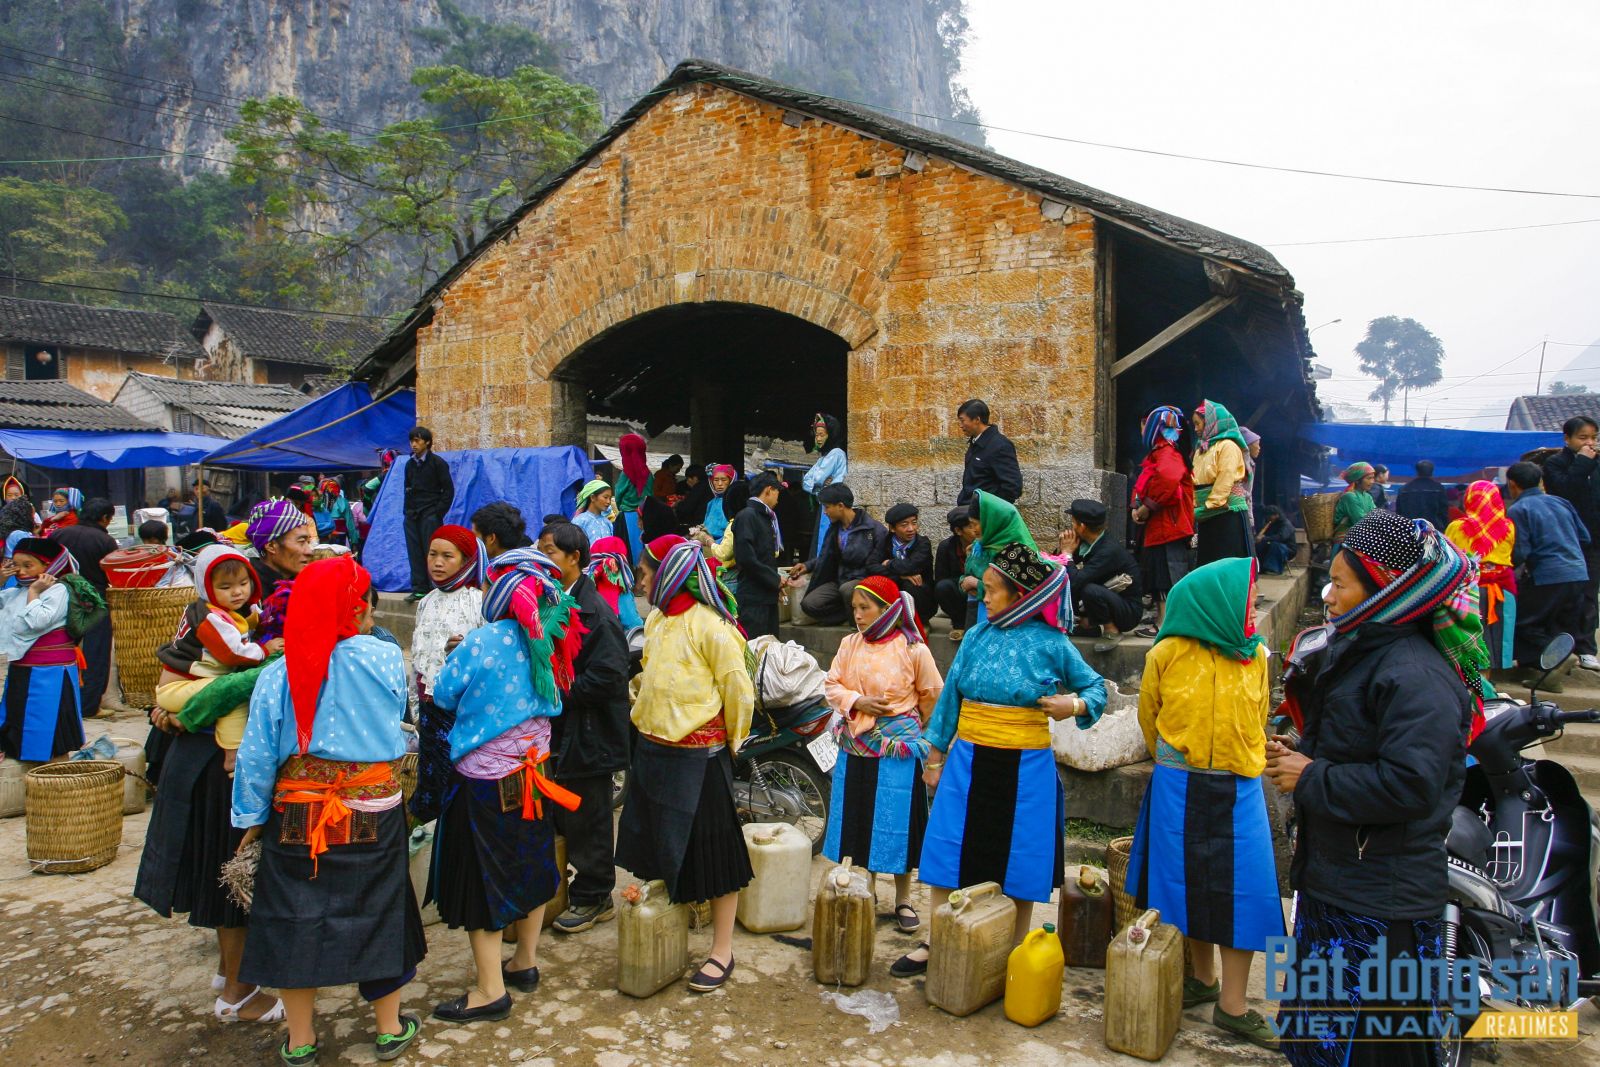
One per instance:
(1579, 740)
(1585, 770)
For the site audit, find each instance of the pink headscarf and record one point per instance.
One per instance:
(633, 461)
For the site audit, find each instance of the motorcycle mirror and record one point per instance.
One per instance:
(1556, 652)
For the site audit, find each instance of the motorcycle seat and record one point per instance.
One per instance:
(1469, 840)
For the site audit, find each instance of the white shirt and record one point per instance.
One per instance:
(441, 616)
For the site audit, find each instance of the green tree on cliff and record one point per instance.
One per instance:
(1403, 355)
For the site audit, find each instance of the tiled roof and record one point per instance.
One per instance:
(47, 322)
(287, 337)
(1549, 412)
(229, 407)
(59, 406)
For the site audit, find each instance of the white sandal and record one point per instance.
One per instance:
(218, 983)
(229, 1013)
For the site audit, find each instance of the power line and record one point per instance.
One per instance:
(192, 299)
(1419, 236)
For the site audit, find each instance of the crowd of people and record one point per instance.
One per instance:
(283, 712)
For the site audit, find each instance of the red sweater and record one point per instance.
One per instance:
(1166, 487)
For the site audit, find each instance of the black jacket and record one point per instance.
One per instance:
(590, 736)
(89, 544)
(1108, 559)
(950, 560)
(991, 466)
(1386, 721)
(917, 560)
(429, 490)
(754, 552)
(1424, 498)
(1572, 477)
(866, 541)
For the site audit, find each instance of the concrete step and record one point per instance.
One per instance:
(1579, 740)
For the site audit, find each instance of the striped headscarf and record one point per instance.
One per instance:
(900, 612)
(527, 588)
(1421, 575)
(608, 561)
(53, 554)
(272, 519)
(1164, 423)
(1045, 586)
(1218, 424)
(74, 497)
(474, 555)
(682, 569)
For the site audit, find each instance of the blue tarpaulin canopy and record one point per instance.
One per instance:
(1453, 452)
(108, 450)
(344, 430)
(537, 481)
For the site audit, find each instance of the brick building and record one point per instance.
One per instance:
(735, 255)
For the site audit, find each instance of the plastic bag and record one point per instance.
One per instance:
(880, 1009)
(101, 748)
(787, 676)
(1115, 741)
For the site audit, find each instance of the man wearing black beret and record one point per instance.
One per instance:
(908, 559)
(1105, 580)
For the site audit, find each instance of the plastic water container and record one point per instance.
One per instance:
(970, 946)
(776, 898)
(842, 923)
(1083, 920)
(1033, 977)
(1144, 987)
(135, 794)
(13, 787)
(652, 940)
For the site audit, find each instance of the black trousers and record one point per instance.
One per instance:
(758, 619)
(419, 529)
(591, 840)
(1099, 605)
(1542, 612)
(96, 646)
(829, 603)
(1584, 640)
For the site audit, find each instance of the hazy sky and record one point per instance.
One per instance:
(1480, 93)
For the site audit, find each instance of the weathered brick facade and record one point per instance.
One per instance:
(945, 284)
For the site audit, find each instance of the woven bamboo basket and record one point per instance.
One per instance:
(1124, 911)
(407, 774)
(74, 815)
(142, 620)
(1317, 511)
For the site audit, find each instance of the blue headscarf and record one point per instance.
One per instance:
(1165, 421)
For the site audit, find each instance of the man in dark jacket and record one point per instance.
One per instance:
(1570, 474)
(89, 543)
(429, 494)
(589, 739)
(855, 542)
(1424, 498)
(1549, 553)
(1105, 578)
(950, 563)
(909, 559)
(991, 457)
(755, 548)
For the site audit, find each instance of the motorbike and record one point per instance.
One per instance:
(782, 771)
(1524, 861)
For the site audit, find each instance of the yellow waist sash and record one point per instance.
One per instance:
(999, 726)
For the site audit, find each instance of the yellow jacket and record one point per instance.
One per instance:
(1219, 467)
(693, 669)
(1209, 707)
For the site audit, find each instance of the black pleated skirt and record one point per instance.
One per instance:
(1224, 536)
(190, 836)
(356, 921)
(679, 823)
(491, 867)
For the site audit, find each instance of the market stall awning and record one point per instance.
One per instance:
(344, 430)
(107, 450)
(1452, 451)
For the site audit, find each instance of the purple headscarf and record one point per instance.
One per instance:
(272, 519)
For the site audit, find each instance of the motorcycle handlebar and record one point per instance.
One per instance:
(1564, 717)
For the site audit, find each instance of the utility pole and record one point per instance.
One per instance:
(1538, 383)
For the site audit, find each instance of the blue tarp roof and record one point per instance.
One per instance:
(1452, 451)
(107, 450)
(538, 481)
(343, 430)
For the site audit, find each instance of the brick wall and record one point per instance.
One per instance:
(945, 284)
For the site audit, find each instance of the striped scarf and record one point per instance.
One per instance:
(1056, 589)
(473, 572)
(772, 517)
(1164, 423)
(899, 617)
(612, 567)
(548, 615)
(891, 737)
(684, 570)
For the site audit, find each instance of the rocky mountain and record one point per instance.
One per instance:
(193, 61)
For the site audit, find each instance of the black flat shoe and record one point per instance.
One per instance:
(456, 1011)
(704, 981)
(906, 967)
(523, 981)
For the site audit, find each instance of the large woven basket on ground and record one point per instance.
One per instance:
(74, 815)
(142, 620)
(1318, 514)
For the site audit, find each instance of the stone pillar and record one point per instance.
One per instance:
(569, 415)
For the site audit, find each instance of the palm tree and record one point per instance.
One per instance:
(1403, 355)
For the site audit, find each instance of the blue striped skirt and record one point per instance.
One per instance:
(1011, 801)
(878, 814)
(1202, 856)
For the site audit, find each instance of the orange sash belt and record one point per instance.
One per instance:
(532, 807)
(330, 796)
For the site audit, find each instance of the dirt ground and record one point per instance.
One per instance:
(90, 975)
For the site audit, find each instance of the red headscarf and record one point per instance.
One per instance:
(633, 462)
(326, 602)
(1485, 525)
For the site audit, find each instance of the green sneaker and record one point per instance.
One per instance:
(1196, 992)
(393, 1046)
(1252, 1026)
(304, 1056)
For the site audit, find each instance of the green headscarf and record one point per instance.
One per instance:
(590, 490)
(1213, 605)
(1002, 525)
(1220, 425)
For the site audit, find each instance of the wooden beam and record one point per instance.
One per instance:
(1161, 340)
